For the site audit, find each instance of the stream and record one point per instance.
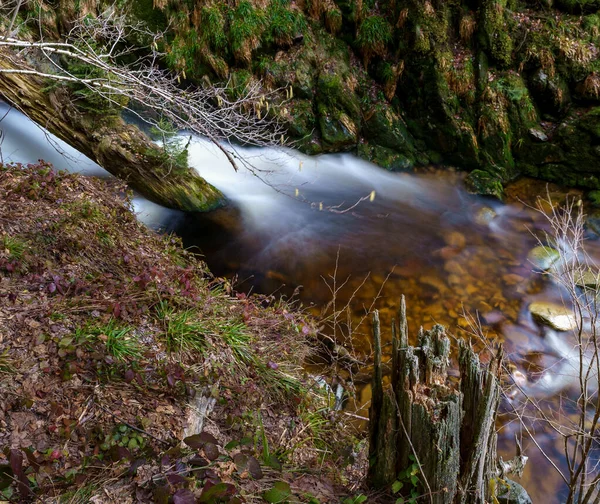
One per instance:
(344, 236)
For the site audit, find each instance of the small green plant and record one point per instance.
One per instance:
(374, 33)
(408, 479)
(282, 23)
(118, 341)
(6, 363)
(182, 332)
(246, 26)
(15, 247)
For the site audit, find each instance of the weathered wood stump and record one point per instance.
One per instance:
(422, 421)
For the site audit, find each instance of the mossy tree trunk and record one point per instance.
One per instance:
(120, 148)
(421, 421)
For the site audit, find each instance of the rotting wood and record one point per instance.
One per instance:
(447, 431)
(121, 149)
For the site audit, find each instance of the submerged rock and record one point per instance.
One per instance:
(543, 257)
(485, 215)
(553, 315)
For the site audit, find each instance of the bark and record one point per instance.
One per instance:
(447, 431)
(120, 148)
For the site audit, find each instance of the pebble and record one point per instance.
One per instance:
(543, 257)
(484, 216)
(512, 279)
(554, 315)
(455, 239)
(434, 282)
(454, 267)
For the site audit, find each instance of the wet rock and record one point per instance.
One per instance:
(385, 128)
(512, 279)
(543, 257)
(588, 278)
(510, 492)
(537, 135)
(484, 216)
(484, 183)
(454, 267)
(455, 239)
(434, 282)
(339, 132)
(554, 315)
(551, 93)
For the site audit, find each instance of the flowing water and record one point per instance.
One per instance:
(334, 228)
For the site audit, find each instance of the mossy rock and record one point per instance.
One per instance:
(338, 131)
(333, 92)
(304, 81)
(385, 128)
(299, 118)
(484, 183)
(543, 257)
(386, 158)
(551, 93)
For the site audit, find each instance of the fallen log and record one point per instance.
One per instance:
(120, 148)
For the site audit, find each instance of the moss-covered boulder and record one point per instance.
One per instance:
(484, 183)
(383, 127)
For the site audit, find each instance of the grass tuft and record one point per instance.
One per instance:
(182, 331)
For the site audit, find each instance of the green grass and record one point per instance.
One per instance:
(6, 363)
(15, 246)
(246, 26)
(182, 332)
(282, 23)
(118, 341)
(374, 34)
(213, 28)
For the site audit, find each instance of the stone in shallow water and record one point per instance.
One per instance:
(543, 257)
(484, 216)
(554, 315)
(588, 278)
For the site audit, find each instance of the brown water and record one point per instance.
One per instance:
(421, 235)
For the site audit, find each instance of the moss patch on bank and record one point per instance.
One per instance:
(114, 341)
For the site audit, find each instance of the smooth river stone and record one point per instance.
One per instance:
(554, 315)
(543, 257)
(484, 216)
(588, 278)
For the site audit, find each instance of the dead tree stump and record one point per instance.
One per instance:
(447, 431)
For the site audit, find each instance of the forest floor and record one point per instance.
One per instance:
(129, 373)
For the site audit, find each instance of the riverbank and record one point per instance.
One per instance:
(117, 345)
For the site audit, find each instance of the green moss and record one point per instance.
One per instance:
(494, 34)
(386, 158)
(484, 183)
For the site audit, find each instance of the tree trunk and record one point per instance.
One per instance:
(438, 440)
(121, 149)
